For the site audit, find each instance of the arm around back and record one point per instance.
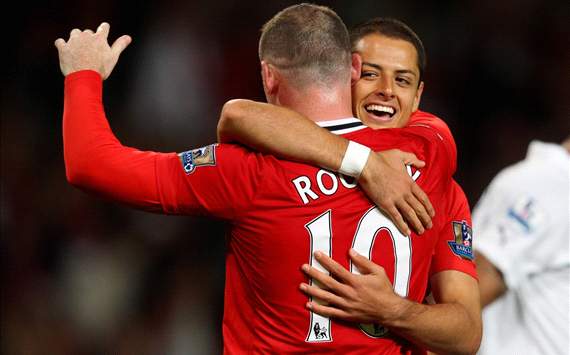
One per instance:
(287, 134)
(280, 131)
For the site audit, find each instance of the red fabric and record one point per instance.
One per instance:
(94, 159)
(457, 207)
(457, 211)
(271, 226)
(421, 118)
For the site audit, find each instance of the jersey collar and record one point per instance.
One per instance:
(342, 125)
(541, 151)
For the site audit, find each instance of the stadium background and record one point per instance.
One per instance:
(85, 276)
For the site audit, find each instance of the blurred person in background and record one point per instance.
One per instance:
(199, 181)
(387, 95)
(522, 254)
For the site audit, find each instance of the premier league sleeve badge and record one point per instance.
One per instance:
(198, 157)
(462, 246)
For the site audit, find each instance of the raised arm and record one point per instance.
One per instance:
(95, 160)
(287, 134)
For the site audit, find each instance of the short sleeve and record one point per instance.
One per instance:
(455, 240)
(509, 223)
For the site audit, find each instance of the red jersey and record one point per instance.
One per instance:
(456, 231)
(280, 212)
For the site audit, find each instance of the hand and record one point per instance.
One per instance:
(90, 51)
(386, 182)
(365, 298)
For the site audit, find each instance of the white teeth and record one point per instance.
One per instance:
(380, 108)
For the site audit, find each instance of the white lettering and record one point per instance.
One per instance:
(321, 184)
(303, 186)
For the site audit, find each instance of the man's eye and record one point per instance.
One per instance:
(368, 74)
(403, 81)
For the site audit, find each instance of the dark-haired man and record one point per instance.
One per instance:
(387, 95)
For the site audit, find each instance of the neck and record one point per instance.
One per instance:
(316, 103)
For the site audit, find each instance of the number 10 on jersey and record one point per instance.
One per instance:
(369, 226)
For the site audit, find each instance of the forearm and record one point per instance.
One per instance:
(452, 325)
(95, 160)
(491, 282)
(442, 328)
(282, 132)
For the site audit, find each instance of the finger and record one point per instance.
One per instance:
(59, 43)
(398, 220)
(410, 216)
(120, 44)
(333, 267)
(103, 29)
(423, 198)
(321, 278)
(420, 209)
(74, 32)
(322, 296)
(364, 265)
(411, 159)
(88, 31)
(328, 311)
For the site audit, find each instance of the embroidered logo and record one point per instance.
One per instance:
(462, 246)
(198, 157)
(526, 214)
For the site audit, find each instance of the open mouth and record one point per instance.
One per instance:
(380, 111)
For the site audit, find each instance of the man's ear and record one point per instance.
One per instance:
(418, 97)
(356, 68)
(270, 79)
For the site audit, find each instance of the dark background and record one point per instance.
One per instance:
(85, 276)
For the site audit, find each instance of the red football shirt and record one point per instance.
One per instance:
(280, 212)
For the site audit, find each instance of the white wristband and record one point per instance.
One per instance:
(354, 160)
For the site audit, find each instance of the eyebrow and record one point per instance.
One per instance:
(401, 71)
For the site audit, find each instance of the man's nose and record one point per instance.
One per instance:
(385, 87)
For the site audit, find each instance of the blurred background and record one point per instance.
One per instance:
(85, 276)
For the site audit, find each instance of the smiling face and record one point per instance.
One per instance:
(389, 88)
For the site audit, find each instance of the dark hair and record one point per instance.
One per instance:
(308, 41)
(391, 28)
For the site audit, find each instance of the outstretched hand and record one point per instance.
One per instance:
(86, 50)
(365, 298)
(386, 182)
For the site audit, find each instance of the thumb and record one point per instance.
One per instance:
(364, 265)
(120, 44)
(411, 159)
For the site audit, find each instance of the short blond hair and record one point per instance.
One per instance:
(308, 42)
